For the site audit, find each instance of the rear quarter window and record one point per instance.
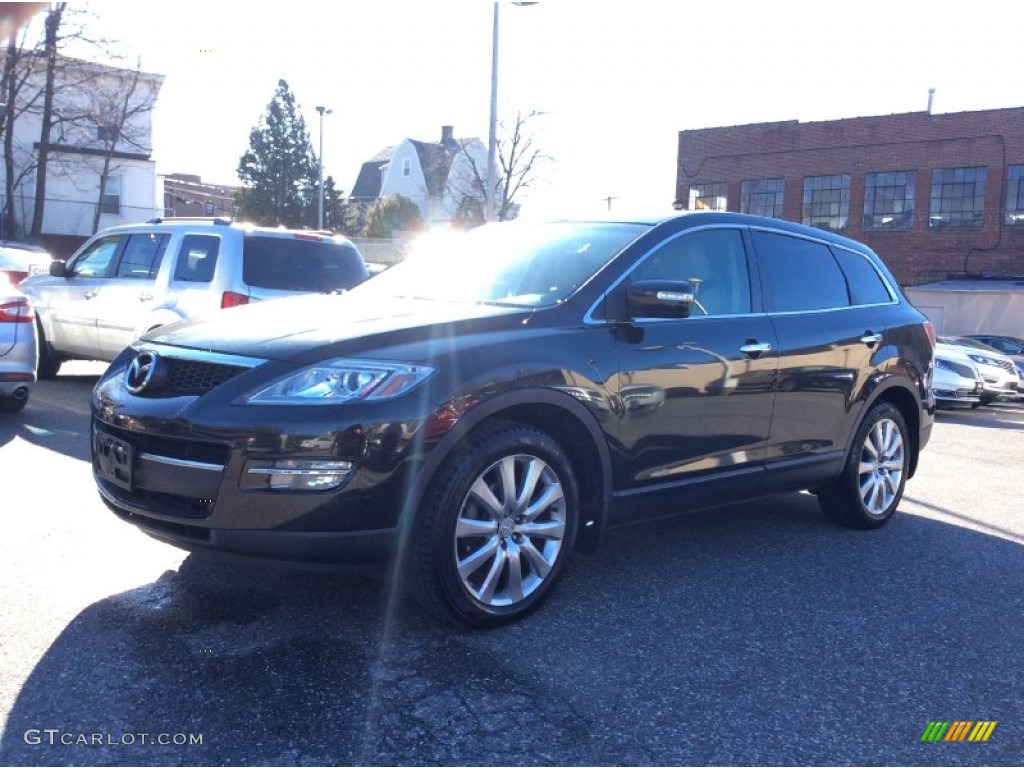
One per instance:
(287, 264)
(197, 258)
(866, 285)
(799, 275)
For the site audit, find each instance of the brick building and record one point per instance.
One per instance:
(936, 196)
(186, 194)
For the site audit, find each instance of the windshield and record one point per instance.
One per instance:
(535, 265)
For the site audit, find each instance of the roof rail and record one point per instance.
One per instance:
(222, 221)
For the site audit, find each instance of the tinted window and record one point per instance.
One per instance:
(866, 285)
(141, 256)
(713, 260)
(96, 260)
(799, 275)
(197, 258)
(301, 265)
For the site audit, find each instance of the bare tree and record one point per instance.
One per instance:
(118, 101)
(520, 163)
(53, 18)
(14, 76)
(35, 72)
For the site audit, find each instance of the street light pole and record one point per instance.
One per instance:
(492, 138)
(320, 170)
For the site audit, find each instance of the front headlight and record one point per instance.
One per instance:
(342, 381)
(982, 359)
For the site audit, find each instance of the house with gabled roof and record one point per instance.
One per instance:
(445, 179)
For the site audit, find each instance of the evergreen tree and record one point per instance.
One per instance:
(393, 214)
(279, 170)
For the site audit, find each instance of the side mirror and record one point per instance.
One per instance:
(660, 298)
(58, 268)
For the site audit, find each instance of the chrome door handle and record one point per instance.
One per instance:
(90, 294)
(145, 297)
(755, 349)
(871, 338)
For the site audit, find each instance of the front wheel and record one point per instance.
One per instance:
(49, 364)
(497, 527)
(870, 488)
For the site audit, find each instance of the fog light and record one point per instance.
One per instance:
(295, 474)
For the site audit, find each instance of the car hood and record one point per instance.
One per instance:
(291, 328)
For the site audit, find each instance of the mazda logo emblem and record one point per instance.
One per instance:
(141, 371)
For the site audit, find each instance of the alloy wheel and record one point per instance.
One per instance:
(881, 468)
(510, 530)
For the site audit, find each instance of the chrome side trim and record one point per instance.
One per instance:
(205, 466)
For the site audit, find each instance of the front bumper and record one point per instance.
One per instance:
(185, 474)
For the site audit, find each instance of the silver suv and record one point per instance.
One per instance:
(127, 280)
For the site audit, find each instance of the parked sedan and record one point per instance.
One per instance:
(998, 371)
(18, 261)
(17, 347)
(1012, 346)
(956, 381)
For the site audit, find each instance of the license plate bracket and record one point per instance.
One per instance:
(115, 459)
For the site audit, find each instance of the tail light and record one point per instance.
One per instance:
(16, 312)
(930, 330)
(232, 299)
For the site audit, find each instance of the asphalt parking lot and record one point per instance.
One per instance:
(756, 634)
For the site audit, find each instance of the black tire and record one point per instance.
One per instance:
(12, 404)
(510, 559)
(869, 490)
(49, 364)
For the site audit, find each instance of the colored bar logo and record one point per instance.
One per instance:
(959, 730)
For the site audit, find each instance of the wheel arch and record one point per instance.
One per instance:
(555, 413)
(903, 399)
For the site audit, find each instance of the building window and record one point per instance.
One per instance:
(110, 202)
(407, 167)
(708, 197)
(958, 197)
(107, 133)
(889, 200)
(1015, 196)
(827, 201)
(762, 197)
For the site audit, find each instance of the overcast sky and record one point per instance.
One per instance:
(617, 80)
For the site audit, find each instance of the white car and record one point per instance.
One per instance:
(997, 370)
(956, 381)
(17, 347)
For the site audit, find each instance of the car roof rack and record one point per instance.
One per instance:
(222, 221)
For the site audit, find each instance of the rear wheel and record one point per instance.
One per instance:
(13, 404)
(870, 488)
(497, 527)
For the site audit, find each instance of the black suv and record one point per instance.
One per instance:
(501, 397)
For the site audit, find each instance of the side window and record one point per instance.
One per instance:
(197, 258)
(798, 275)
(713, 260)
(96, 260)
(866, 285)
(140, 259)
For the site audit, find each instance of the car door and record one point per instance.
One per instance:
(695, 393)
(130, 293)
(829, 345)
(72, 301)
